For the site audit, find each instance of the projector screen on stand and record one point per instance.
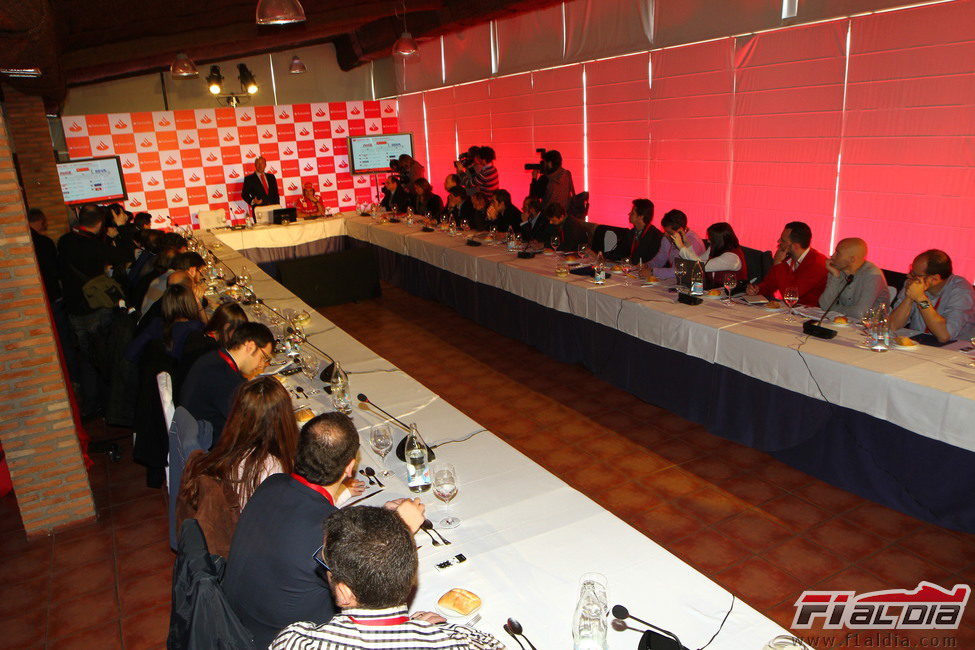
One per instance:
(92, 180)
(370, 154)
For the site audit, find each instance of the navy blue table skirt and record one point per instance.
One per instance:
(875, 459)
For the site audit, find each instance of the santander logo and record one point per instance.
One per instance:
(361, 180)
(238, 210)
(135, 203)
(271, 170)
(308, 167)
(229, 137)
(320, 113)
(324, 148)
(289, 151)
(346, 198)
(205, 119)
(246, 117)
(177, 198)
(153, 181)
(250, 154)
(217, 194)
(283, 115)
(171, 161)
(120, 125)
(339, 129)
(146, 142)
(304, 132)
(266, 134)
(188, 140)
(355, 110)
(128, 164)
(327, 183)
(373, 127)
(101, 146)
(388, 109)
(211, 158)
(75, 127)
(194, 178)
(292, 187)
(233, 174)
(163, 122)
(343, 165)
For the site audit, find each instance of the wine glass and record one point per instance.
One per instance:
(554, 243)
(445, 489)
(583, 250)
(381, 441)
(464, 226)
(790, 297)
(627, 265)
(730, 282)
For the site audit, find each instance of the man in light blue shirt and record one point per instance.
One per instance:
(662, 263)
(934, 300)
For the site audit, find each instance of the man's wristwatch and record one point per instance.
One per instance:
(923, 304)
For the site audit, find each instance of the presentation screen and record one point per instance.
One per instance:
(372, 153)
(92, 180)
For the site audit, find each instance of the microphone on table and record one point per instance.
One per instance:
(656, 638)
(401, 447)
(814, 327)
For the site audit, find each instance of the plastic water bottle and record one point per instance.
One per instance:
(599, 270)
(409, 216)
(417, 462)
(589, 626)
(697, 280)
(880, 337)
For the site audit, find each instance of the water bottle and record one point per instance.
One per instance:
(599, 270)
(409, 216)
(417, 462)
(589, 626)
(697, 280)
(880, 337)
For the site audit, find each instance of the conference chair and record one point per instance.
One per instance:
(605, 239)
(186, 435)
(758, 263)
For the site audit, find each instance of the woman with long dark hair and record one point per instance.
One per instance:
(424, 200)
(259, 439)
(216, 334)
(723, 255)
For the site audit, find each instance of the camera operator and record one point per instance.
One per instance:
(551, 182)
(410, 169)
(477, 173)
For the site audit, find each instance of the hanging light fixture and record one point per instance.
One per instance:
(279, 12)
(297, 66)
(405, 46)
(183, 67)
(215, 80)
(247, 80)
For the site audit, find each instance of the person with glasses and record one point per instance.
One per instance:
(208, 390)
(934, 300)
(271, 579)
(369, 559)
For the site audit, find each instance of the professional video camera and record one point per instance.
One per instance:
(466, 159)
(540, 165)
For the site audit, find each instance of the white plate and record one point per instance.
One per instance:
(904, 347)
(708, 296)
(773, 309)
(835, 324)
(449, 613)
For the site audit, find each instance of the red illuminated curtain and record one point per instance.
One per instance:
(441, 134)
(618, 124)
(529, 41)
(556, 104)
(690, 127)
(511, 124)
(410, 113)
(786, 131)
(473, 114)
(467, 54)
(907, 180)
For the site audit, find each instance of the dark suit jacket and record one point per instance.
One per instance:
(47, 261)
(646, 247)
(571, 233)
(535, 232)
(254, 189)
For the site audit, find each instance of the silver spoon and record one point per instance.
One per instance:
(512, 635)
(371, 473)
(516, 629)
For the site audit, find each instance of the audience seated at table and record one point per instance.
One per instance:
(934, 300)
(474, 212)
(795, 264)
(396, 198)
(643, 240)
(153, 284)
(208, 389)
(310, 204)
(424, 200)
(502, 214)
(271, 579)
(533, 226)
(456, 199)
(259, 439)
(216, 334)
(571, 234)
(867, 288)
(723, 255)
(185, 268)
(451, 181)
(371, 562)
(673, 223)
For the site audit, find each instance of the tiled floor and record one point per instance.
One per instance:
(760, 528)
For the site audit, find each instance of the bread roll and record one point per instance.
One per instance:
(303, 415)
(841, 320)
(459, 600)
(905, 342)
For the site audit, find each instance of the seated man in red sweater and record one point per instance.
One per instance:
(795, 264)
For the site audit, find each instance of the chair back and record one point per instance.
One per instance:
(210, 219)
(165, 384)
(758, 263)
(605, 239)
(186, 435)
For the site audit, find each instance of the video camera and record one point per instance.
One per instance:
(466, 159)
(540, 165)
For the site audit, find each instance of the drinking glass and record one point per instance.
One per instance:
(583, 251)
(790, 297)
(445, 489)
(561, 267)
(340, 398)
(680, 270)
(464, 226)
(381, 441)
(730, 282)
(554, 243)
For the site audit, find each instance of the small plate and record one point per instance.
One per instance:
(708, 296)
(449, 613)
(773, 309)
(904, 347)
(835, 324)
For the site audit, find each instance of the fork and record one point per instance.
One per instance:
(474, 621)
(427, 525)
(426, 529)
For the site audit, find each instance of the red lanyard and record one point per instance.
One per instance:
(380, 622)
(230, 361)
(317, 488)
(637, 240)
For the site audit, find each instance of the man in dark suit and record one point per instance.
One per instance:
(644, 239)
(533, 226)
(571, 232)
(46, 252)
(260, 188)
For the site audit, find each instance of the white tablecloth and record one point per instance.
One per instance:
(527, 535)
(282, 236)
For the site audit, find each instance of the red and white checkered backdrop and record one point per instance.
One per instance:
(177, 163)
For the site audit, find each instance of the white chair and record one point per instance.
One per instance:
(210, 219)
(165, 384)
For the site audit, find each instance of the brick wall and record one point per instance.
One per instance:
(31, 138)
(37, 430)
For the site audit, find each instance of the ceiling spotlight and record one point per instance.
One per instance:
(215, 80)
(279, 12)
(405, 46)
(297, 66)
(21, 73)
(183, 67)
(247, 80)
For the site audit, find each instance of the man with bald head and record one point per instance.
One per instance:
(867, 287)
(260, 188)
(934, 300)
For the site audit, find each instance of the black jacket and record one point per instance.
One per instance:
(571, 234)
(535, 232)
(396, 201)
(82, 256)
(647, 245)
(208, 390)
(510, 218)
(431, 204)
(47, 262)
(254, 189)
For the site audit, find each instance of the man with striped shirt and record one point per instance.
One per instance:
(482, 176)
(369, 558)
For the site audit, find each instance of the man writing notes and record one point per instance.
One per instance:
(795, 264)
(369, 558)
(934, 300)
(260, 188)
(867, 287)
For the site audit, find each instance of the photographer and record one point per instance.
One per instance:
(550, 181)
(409, 169)
(477, 171)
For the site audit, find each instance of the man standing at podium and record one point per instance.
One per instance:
(260, 188)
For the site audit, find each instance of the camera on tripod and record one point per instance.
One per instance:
(540, 165)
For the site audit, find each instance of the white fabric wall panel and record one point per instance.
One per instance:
(598, 28)
(468, 54)
(530, 41)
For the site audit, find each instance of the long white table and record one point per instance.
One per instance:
(528, 536)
